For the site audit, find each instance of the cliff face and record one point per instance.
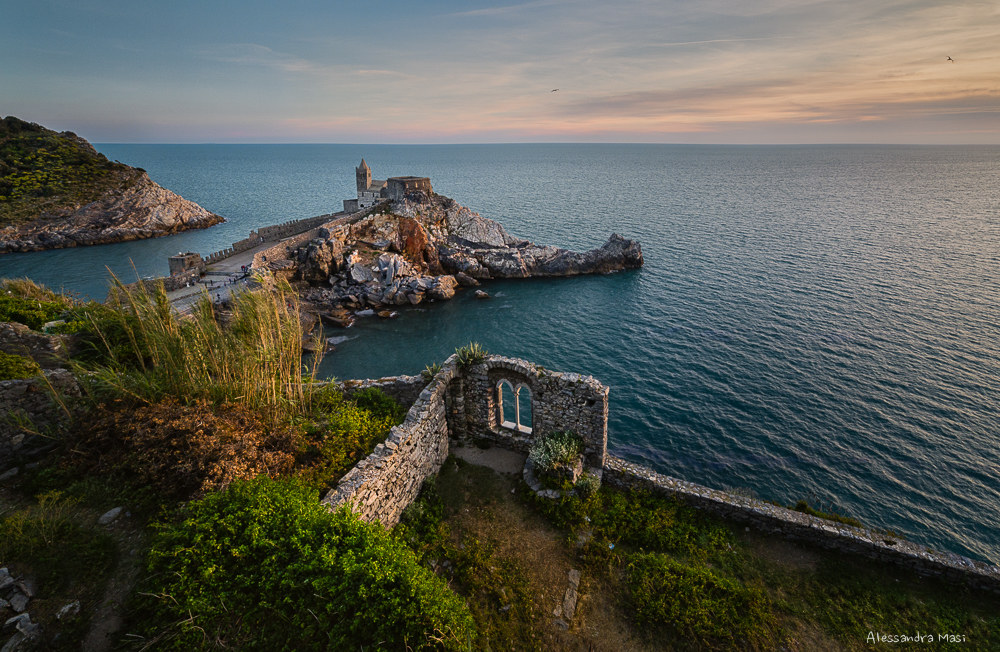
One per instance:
(57, 191)
(142, 210)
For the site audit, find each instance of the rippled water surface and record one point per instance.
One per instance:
(812, 322)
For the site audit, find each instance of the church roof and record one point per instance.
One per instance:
(363, 165)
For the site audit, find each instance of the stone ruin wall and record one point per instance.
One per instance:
(30, 403)
(455, 405)
(559, 401)
(791, 524)
(383, 484)
(460, 404)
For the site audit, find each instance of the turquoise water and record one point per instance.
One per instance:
(812, 322)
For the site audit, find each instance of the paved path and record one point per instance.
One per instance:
(226, 275)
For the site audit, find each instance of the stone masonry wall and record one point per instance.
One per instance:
(559, 401)
(462, 404)
(383, 484)
(31, 400)
(404, 389)
(796, 525)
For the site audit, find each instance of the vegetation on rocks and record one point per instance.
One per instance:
(558, 448)
(42, 171)
(13, 367)
(263, 565)
(470, 354)
(26, 302)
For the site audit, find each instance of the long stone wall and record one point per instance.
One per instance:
(266, 233)
(796, 525)
(383, 484)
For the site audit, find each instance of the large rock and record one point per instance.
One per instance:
(47, 350)
(443, 288)
(320, 259)
(392, 266)
(414, 242)
(616, 254)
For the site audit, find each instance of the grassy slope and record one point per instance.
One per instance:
(44, 173)
(660, 576)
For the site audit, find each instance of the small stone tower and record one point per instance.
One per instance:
(363, 173)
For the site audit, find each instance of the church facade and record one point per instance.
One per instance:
(372, 191)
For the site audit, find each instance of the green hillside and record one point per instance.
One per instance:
(47, 174)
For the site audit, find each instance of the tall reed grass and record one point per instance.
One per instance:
(253, 359)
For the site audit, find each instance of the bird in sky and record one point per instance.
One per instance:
(950, 59)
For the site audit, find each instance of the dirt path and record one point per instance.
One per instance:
(482, 496)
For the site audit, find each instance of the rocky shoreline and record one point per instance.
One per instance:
(143, 210)
(425, 247)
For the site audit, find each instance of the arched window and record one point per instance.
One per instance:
(523, 396)
(506, 405)
(514, 406)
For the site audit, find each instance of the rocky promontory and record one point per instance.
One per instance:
(57, 191)
(425, 247)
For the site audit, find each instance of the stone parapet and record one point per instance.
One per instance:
(404, 389)
(383, 484)
(791, 524)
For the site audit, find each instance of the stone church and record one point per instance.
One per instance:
(372, 191)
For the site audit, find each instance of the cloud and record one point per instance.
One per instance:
(252, 54)
(508, 9)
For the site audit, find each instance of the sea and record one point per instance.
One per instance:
(812, 322)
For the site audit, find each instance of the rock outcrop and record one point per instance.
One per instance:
(144, 210)
(57, 191)
(425, 248)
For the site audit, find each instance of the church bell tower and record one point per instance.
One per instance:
(363, 174)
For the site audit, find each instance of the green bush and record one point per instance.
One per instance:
(13, 367)
(265, 566)
(555, 449)
(587, 485)
(700, 606)
(30, 312)
(379, 404)
(339, 432)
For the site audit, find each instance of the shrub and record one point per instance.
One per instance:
(587, 485)
(430, 371)
(379, 404)
(26, 302)
(558, 448)
(183, 450)
(339, 432)
(264, 565)
(470, 354)
(699, 605)
(47, 538)
(13, 367)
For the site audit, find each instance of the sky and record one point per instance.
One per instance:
(437, 71)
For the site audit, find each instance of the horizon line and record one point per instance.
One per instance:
(532, 142)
